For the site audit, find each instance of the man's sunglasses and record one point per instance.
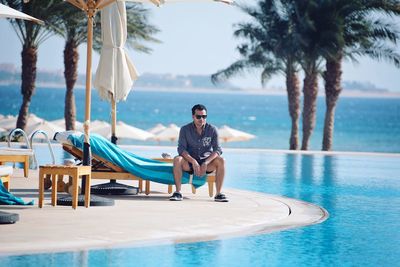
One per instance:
(201, 116)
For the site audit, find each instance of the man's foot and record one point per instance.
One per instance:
(221, 198)
(176, 197)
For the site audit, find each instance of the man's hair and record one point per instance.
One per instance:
(198, 107)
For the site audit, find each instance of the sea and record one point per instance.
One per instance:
(363, 124)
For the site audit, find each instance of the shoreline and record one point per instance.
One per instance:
(250, 91)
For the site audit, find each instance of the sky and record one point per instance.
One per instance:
(197, 38)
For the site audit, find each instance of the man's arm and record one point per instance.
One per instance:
(182, 147)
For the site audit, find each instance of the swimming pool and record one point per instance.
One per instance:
(360, 192)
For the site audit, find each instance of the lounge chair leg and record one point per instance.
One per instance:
(169, 189)
(147, 192)
(210, 188)
(140, 182)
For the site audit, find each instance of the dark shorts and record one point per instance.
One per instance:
(191, 167)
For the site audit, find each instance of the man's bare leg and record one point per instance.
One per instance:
(180, 165)
(178, 172)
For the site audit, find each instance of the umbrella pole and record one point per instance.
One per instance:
(86, 145)
(113, 121)
(113, 125)
(90, 9)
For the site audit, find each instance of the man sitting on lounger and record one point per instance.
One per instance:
(199, 153)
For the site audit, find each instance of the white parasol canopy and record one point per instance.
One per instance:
(49, 128)
(171, 133)
(61, 123)
(102, 128)
(228, 134)
(156, 128)
(127, 131)
(8, 122)
(8, 12)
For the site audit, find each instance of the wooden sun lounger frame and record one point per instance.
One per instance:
(103, 169)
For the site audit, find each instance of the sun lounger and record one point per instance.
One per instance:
(111, 162)
(15, 155)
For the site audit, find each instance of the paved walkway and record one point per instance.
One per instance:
(146, 220)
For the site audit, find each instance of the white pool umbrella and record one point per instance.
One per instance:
(102, 128)
(49, 128)
(156, 128)
(171, 133)
(127, 131)
(8, 122)
(228, 134)
(61, 123)
(8, 12)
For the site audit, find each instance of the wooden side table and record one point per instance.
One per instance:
(24, 159)
(58, 171)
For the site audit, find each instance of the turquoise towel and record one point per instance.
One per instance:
(6, 198)
(148, 169)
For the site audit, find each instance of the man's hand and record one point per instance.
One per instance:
(203, 168)
(196, 168)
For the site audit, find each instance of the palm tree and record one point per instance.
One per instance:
(356, 31)
(73, 29)
(271, 47)
(31, 36)
(306, 40)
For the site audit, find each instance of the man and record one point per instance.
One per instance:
(199, 153)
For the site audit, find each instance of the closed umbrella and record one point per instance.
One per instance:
(8, 12)
(228, 134)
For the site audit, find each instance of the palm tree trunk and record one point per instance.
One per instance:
(71, 58)
(293, 91)
(28, 77)
(310, 92)
(332, 77)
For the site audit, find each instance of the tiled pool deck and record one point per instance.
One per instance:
(145, 220)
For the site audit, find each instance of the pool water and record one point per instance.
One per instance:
(360, 192)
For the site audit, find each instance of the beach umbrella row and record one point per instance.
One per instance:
(159, 132)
